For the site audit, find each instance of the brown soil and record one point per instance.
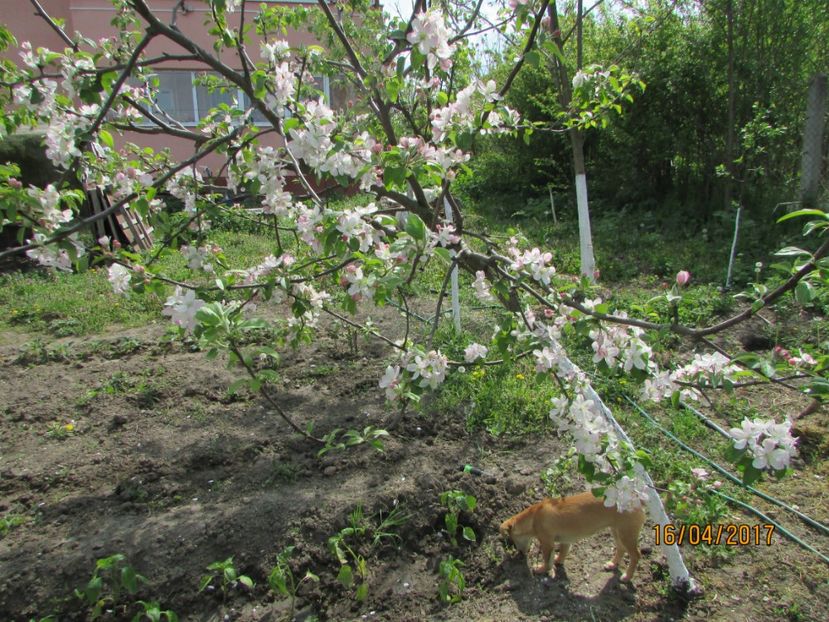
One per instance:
(168, 469)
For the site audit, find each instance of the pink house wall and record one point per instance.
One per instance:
(92, 18)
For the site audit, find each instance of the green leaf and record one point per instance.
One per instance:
(129, 579)
(532, 58)
(804, 292)
(205, 581)
(804, 212)
(93, 589)
(277, 581)
(233, 389)
(246, 581)
(469, 534)
(346, 576)
(819, 387)
(106, 138)
(415, 227)
(791, 251)
(394, 176)
(362, 592)
(393, 89)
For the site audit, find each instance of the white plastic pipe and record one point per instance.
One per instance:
(681, 579)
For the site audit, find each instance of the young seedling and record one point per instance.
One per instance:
(282, 580)
(61, 430)
(152, 612)
(385, 530)
(226, 573)
(112, 576)
(456, 502)
(338, 440)
(452, 582)
(344, 545)
(351, 562)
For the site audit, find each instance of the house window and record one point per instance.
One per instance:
(182, 99)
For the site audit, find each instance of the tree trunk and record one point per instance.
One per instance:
(565, 94)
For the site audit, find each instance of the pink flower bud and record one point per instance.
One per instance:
(682, 277)
(15, 183)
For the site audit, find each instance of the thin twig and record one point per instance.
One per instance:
(53, 24)
(234, 348)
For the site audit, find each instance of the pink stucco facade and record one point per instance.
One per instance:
(93, 19)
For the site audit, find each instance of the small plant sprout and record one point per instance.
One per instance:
(351, 561)
(452, 582)
(9, 522)
(282, 581)
(152, 612)
(112, 576)
(345, 545)
(61, 430)
(388, 523)
(456, 501)
(228, 577)
(338, 440)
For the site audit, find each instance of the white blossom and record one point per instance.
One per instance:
(430, 368)
(475, 351)
(119, 278)
(182, 307)
(391, 382)
(481, 286)
(626, 494)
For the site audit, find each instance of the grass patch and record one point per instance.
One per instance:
(504, 399)
(70, 304)
(65, 305)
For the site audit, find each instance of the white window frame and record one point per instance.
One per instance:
(199, 115)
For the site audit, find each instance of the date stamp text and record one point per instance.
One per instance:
(728, 534)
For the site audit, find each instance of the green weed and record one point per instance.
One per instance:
(346, 545)
(452, 582)
(455, 502)
(111, 579)
(9, 522)
(226, 575)
(282, 581)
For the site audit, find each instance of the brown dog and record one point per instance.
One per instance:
(569, 519)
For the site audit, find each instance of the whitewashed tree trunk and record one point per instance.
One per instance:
(588, 262)
(565, 95)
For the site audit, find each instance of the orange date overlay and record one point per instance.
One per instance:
(727, 534)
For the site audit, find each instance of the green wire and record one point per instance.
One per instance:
(811, 522)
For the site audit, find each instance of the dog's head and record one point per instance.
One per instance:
(506, 529)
